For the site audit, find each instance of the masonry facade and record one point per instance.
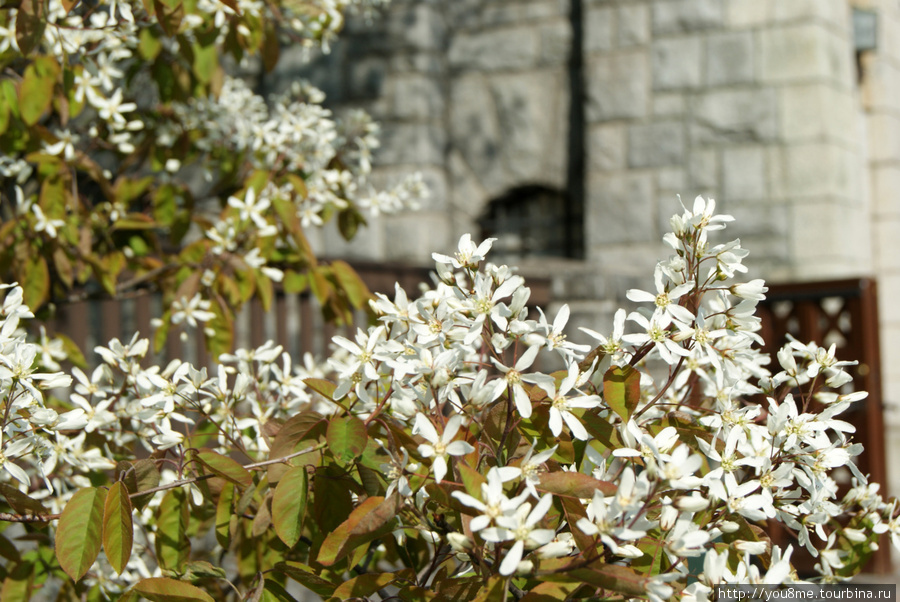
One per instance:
(775, 108)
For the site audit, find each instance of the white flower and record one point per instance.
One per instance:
(561, 406)
(495, 503)
(191, 312)
(520, 526)
(665, 300)
(439, 447)
(469, 255)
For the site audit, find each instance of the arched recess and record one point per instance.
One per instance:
(534, 221)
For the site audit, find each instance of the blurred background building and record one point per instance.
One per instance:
(566, 128)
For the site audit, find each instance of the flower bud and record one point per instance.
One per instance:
(728, 526)
(693, 503)
(459, 542)
(751, 547)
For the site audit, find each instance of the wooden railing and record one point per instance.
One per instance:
(294, 320)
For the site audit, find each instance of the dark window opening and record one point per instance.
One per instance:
(534, 221)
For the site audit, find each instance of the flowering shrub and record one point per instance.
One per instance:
(131, 158)
(428, 457)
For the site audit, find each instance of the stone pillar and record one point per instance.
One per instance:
(881, 99)
(751, 103)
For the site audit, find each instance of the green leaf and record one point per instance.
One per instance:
(493, 591)
(200, 569)
(8, 550)
(30, 25)
(289, 505)
(275, 592)
(19, 582)
(356, 290)
(323, 387)
(364, 585)
(226, 521)
(118, 529)
(346, 438)
(332, 498)
(206, 61)
(574, 484)
(373, 518)
(306, 577)
(21, 503)
(349, 221)
(611, 577)
(36, 91)
(294, 282)
(146, 477)
(172, 544)
(35, 281)
(622, 390)
(222, 327)
(163, 589)
(471, 478)
(296, 433)
(574, 510)
(78, 532)
(149, 46)
(225, 467)
(73, 352)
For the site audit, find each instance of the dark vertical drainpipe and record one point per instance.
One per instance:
(575, 176)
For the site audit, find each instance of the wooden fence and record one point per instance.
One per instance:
(294, 320)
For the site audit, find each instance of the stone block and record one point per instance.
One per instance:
(617, 86)
(884, 136)
(467, 196)
(757, 220)
(729, 58)
(735, 116)
(815, 170)
(804, 52)
(880, 87)
(422, 62)
(606, 147)
(634, 25)
(669, 104)
(533, 110)
(474, 128)
(826, 239)
(816, 111)
(703, 170)
(626, 265)
(415, 96)
(556, 43)
(620, 208)
(744, 173)
(671, 180)
(420, 26)
(832, 11)
(885, 189)
(741, 14)
(887, 232)
(677, 63)
(686, 15)
(599, 28)
(495, 50)
(656, 144)
(416, 235)
(412, 144)
(369, 242)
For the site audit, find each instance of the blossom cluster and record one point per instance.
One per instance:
(126, 132)
(671, 439)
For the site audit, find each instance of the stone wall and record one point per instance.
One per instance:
(756, 103)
